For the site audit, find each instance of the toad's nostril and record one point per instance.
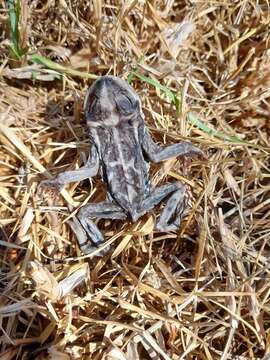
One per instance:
(106, 81)
(100, 84)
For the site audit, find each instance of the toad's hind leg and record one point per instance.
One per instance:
(170, 217)
(88, 235)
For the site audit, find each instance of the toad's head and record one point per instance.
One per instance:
(110, 101)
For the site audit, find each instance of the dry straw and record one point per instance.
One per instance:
(201, 69)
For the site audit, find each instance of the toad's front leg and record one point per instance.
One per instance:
(157, 153)
(89, 170)
(88, 235)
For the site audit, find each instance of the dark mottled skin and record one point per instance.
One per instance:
(123, 166)
(121, 147)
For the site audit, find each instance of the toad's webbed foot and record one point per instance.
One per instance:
(85, 244)
(170, 217)
(88, 234)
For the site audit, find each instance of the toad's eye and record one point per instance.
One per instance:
(126, 105)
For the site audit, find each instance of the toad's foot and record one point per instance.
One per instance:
(84, 242)
(172, 213)
(88, 234)
(170, 217)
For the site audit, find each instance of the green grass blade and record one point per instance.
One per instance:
(14, 12)
(170, 94)
(38, 59)
(192, 118)
(14, 15)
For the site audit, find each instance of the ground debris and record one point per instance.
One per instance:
(201, 70)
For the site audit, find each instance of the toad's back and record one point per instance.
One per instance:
(123, 166)
(115, 121)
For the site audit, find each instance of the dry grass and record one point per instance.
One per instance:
(201, 293)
